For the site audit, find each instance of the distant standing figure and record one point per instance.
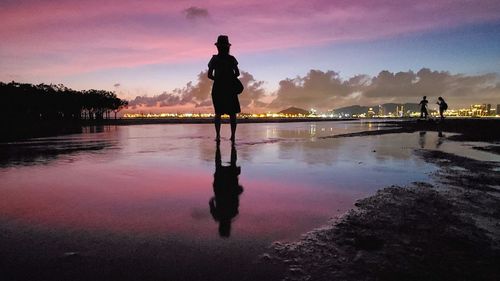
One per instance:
(223, 69)
(443, 106)
(423, 107)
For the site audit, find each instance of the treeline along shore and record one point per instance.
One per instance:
(30, 110)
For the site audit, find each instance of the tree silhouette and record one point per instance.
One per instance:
(28, 102)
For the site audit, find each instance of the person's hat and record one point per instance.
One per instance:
(223, 40)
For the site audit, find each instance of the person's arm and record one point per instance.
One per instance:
(213, 209)
(235, 67)
(211, 73)
(236, 71)
(211, 68)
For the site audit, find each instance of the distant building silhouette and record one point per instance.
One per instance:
(400, 110)
(370, 113)
(381, 111)
(478, 110)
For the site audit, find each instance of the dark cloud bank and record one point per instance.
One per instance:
(325, 90)
(193, 13)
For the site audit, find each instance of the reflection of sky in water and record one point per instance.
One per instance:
(157, 179)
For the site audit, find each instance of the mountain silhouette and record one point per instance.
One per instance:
(294, 111)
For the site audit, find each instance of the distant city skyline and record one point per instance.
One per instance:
(322, 54)
(356, 111)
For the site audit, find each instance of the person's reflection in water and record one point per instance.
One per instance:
(224, 205)
(440, 139)
(421, 139)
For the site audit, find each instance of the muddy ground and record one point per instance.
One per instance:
(448, 230)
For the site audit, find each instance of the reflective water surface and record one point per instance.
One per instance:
(168, 196)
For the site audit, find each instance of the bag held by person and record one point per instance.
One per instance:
(237, 86)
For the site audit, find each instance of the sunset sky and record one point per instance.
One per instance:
(316, 53)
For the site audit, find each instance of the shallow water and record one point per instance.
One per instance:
(145, 194)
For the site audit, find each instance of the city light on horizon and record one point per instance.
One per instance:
(475, 110)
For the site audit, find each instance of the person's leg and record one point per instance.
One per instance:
(233, 126)
(217, 126)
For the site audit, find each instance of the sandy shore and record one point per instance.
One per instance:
(468, 129)
(449, 230)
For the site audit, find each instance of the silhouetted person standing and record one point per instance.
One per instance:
(223, 69)
(224, 205)
(443, 106)
(423, 107)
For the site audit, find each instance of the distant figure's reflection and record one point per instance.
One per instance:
(224, 205)
(440, 139)
(421, 139)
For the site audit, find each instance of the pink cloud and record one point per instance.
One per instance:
(67, 37)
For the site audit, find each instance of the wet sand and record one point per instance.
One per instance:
(132, 202)
(447, 230)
